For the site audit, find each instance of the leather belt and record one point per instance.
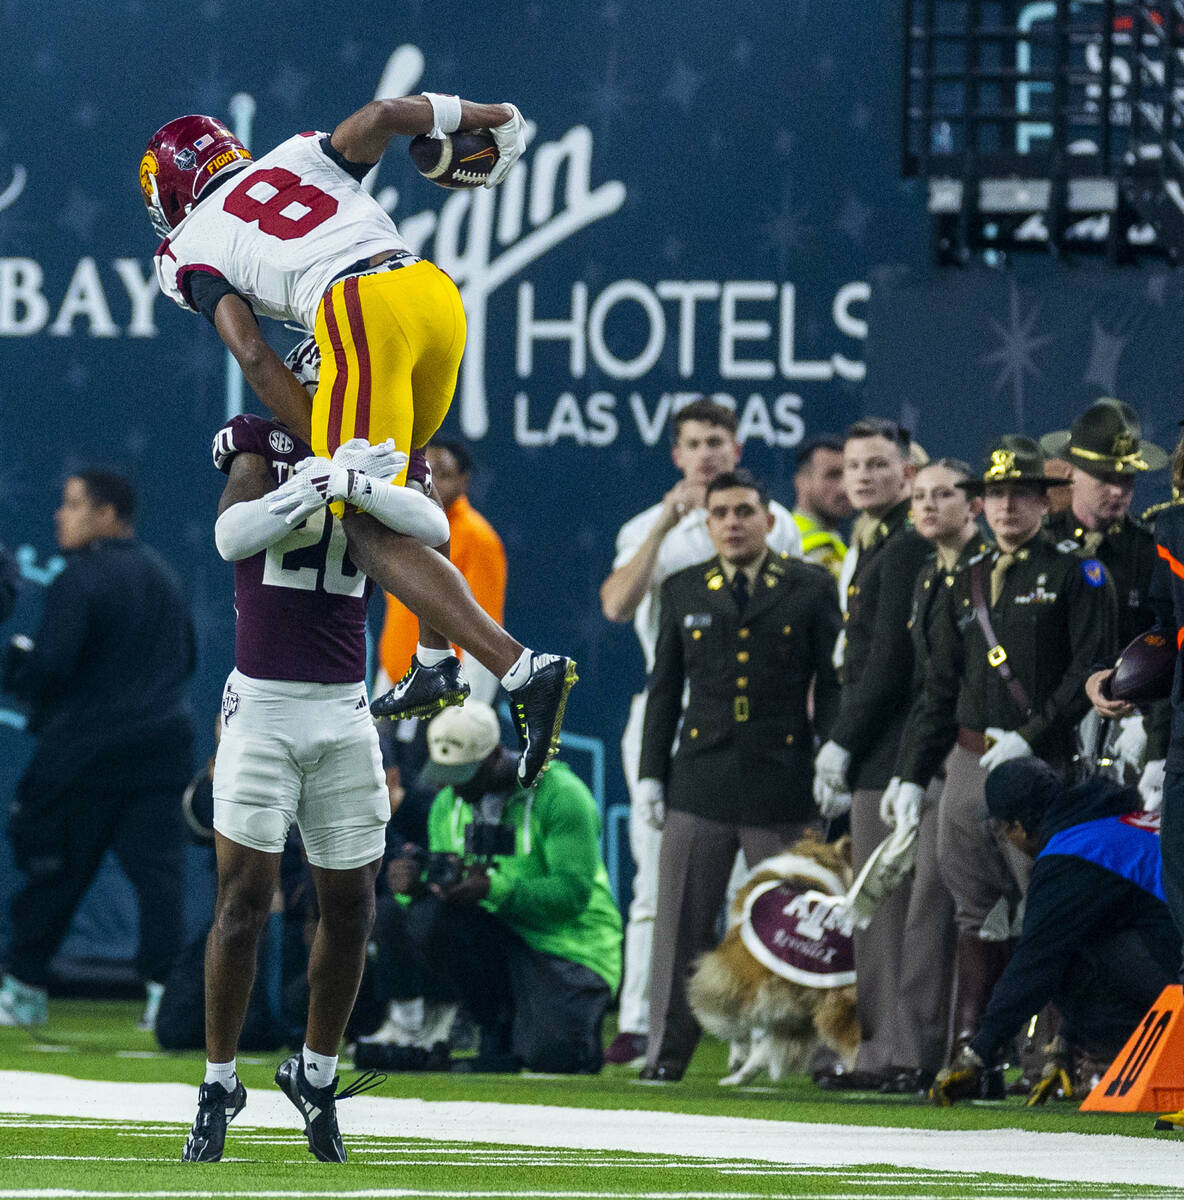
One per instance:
(400, 258)
(972, 740)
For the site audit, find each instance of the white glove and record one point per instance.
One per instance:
(406, 510)
(380, 461)
(304, 493)
(510, 137)
(832, 802)
(1151, 784)
(888, 801)
(650, 794)
(908, 806)
(1131, 743)
(1007, 745)
(831, 764)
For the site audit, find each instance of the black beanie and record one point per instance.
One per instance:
(1022, 789)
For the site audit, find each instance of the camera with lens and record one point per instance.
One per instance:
(484, 839)
(440, 868)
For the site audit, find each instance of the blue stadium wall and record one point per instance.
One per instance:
(711, 202)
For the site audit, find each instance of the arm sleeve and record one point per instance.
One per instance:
(932, 723)
(571, 855)
(246, 528)
(1092, 615)
(356, 171)
(205, 290)
(885, 683)
(827, 623)
(1069, 900)
(664, 695)
(59, 641)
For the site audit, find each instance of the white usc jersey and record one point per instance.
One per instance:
(279, 232)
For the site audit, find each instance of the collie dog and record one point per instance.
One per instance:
(783, 978)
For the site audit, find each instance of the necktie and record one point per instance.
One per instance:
(998, 572)
(865, 530)
(1092, 541)
(740, 591)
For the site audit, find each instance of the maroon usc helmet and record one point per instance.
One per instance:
(181, 159)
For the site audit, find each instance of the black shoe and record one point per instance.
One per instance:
(537, 708)
(663, 1072)
(387, 1056)
(993, 1086)
(838, 1079)
(423, 691)
(215, 1107)
(318, 1106)
(904, 1081)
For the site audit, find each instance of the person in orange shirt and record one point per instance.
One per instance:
(475, 550)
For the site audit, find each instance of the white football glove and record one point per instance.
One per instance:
(1131, 744)
(380, 461)
(1007, 745)
(832, 802)
(406, 510)
(650, 796)
(510, 137)
(831, 765)
(1151, 784)
(307, 490)
(908, 806)
(888, 801)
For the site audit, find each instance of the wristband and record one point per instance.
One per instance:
(445, 113)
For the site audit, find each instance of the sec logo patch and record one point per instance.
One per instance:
(280, 442)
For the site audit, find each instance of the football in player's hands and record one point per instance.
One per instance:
(1144, 670)
(457, 160)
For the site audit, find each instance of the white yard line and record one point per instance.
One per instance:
(1073, 1157)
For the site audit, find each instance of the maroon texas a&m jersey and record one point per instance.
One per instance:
(300, 605)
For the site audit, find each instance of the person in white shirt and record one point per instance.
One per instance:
(665, 538)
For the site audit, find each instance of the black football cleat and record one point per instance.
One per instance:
(537, 708)
(318, 1106)
(423, 691)
(215, 1108)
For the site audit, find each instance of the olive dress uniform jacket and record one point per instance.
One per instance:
(1127, 551)
(746, 746)
(932, 584)
(1054, 618)
(878, 660)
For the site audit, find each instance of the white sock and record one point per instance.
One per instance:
(223, 1073)
(519, 673)
(431, 657)
(319, 1069)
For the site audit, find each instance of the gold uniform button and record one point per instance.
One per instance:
(742, 633)
(786, 630)
(742, 657)
(789, 739)
(694, 733)
(696, 634)
(742, 682)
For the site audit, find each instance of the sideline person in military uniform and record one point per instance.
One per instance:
(748, 632)
(853, 767)
(1018, 690)
(1107, 453)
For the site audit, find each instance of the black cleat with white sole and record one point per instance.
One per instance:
(318, 1106)
(215, 1108)
(537, 707)
(423, 691)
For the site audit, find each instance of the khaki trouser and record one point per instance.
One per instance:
(904, 960)
(978, 866)
(693, 868)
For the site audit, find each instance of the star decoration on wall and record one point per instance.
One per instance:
(1015, 357)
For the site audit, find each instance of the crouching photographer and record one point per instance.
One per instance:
(1097, 940)
(510, 914)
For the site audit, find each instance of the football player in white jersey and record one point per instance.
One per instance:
(294, 236)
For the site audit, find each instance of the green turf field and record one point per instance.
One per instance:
(76, 1155)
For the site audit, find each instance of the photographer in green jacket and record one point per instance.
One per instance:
(511, 912)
